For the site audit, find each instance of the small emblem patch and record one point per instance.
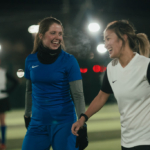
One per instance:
(35, 66)
(114, 81)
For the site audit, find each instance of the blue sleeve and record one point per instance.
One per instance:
(73, 69)
(27, 70)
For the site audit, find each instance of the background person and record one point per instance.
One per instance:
(5, 77)
(128, 78)
(50, 74)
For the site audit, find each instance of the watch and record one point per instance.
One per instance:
(85, 116)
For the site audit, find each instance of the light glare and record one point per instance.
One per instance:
(101, 48)
(94, 27)
(33, 29)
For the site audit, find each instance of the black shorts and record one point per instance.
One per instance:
(4, 105)
(140, 147)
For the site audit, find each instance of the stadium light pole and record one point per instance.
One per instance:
(0, 48)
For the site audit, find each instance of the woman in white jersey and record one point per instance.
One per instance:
(128, 78)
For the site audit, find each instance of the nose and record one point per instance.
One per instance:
(106, 45)
(59, 37)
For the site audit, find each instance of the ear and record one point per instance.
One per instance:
(125, 37)
(40, 36)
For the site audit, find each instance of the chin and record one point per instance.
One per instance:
(111, 56)
(54, 48)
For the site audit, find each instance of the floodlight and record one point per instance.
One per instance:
(101, 48)
(94, 27)
(33, 29)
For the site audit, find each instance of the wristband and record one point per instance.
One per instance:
(85, 116)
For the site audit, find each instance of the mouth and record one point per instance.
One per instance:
(110, 50)
(56, 42)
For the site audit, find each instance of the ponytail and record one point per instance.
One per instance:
(36, 43)
(144, 46)
(137, 42)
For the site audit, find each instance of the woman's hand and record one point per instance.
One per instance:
(27, 121)
(77, 125)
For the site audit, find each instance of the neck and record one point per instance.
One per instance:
(46, 55)
(126, 56)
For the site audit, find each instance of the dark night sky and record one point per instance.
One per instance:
(17, 15)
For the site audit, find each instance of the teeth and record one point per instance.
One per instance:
(55, 42)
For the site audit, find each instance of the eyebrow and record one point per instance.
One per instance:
(106, 37)
(56, 31)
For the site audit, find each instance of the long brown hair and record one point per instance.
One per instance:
(137, 42)
(44, 27)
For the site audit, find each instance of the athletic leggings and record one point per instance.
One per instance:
(140, 147)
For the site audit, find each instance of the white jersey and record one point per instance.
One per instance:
(3, 83)
(132, 91)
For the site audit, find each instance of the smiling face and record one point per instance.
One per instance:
(53, 37)
(113, 44)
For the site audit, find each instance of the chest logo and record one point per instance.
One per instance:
(114, 81)
(35, 66)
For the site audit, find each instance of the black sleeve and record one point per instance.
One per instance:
(106, 85)
(148, 73)
(13, 81)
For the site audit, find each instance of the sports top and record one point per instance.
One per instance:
(132, 91)
(51, 99)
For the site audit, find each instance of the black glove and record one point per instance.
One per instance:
(5, 91)
(82, 139)
(27, 121)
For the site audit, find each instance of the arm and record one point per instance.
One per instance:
(78, 96)
(28, 98)
(95, 106)
(148, 73)
(13, 85)
(28, 103)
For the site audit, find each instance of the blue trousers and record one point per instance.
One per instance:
(42, 137)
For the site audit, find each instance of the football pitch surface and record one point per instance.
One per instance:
(103, 129)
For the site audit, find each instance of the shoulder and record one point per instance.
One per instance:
(143, 63)
(31, 57)
(67, 56)
(143, 59)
